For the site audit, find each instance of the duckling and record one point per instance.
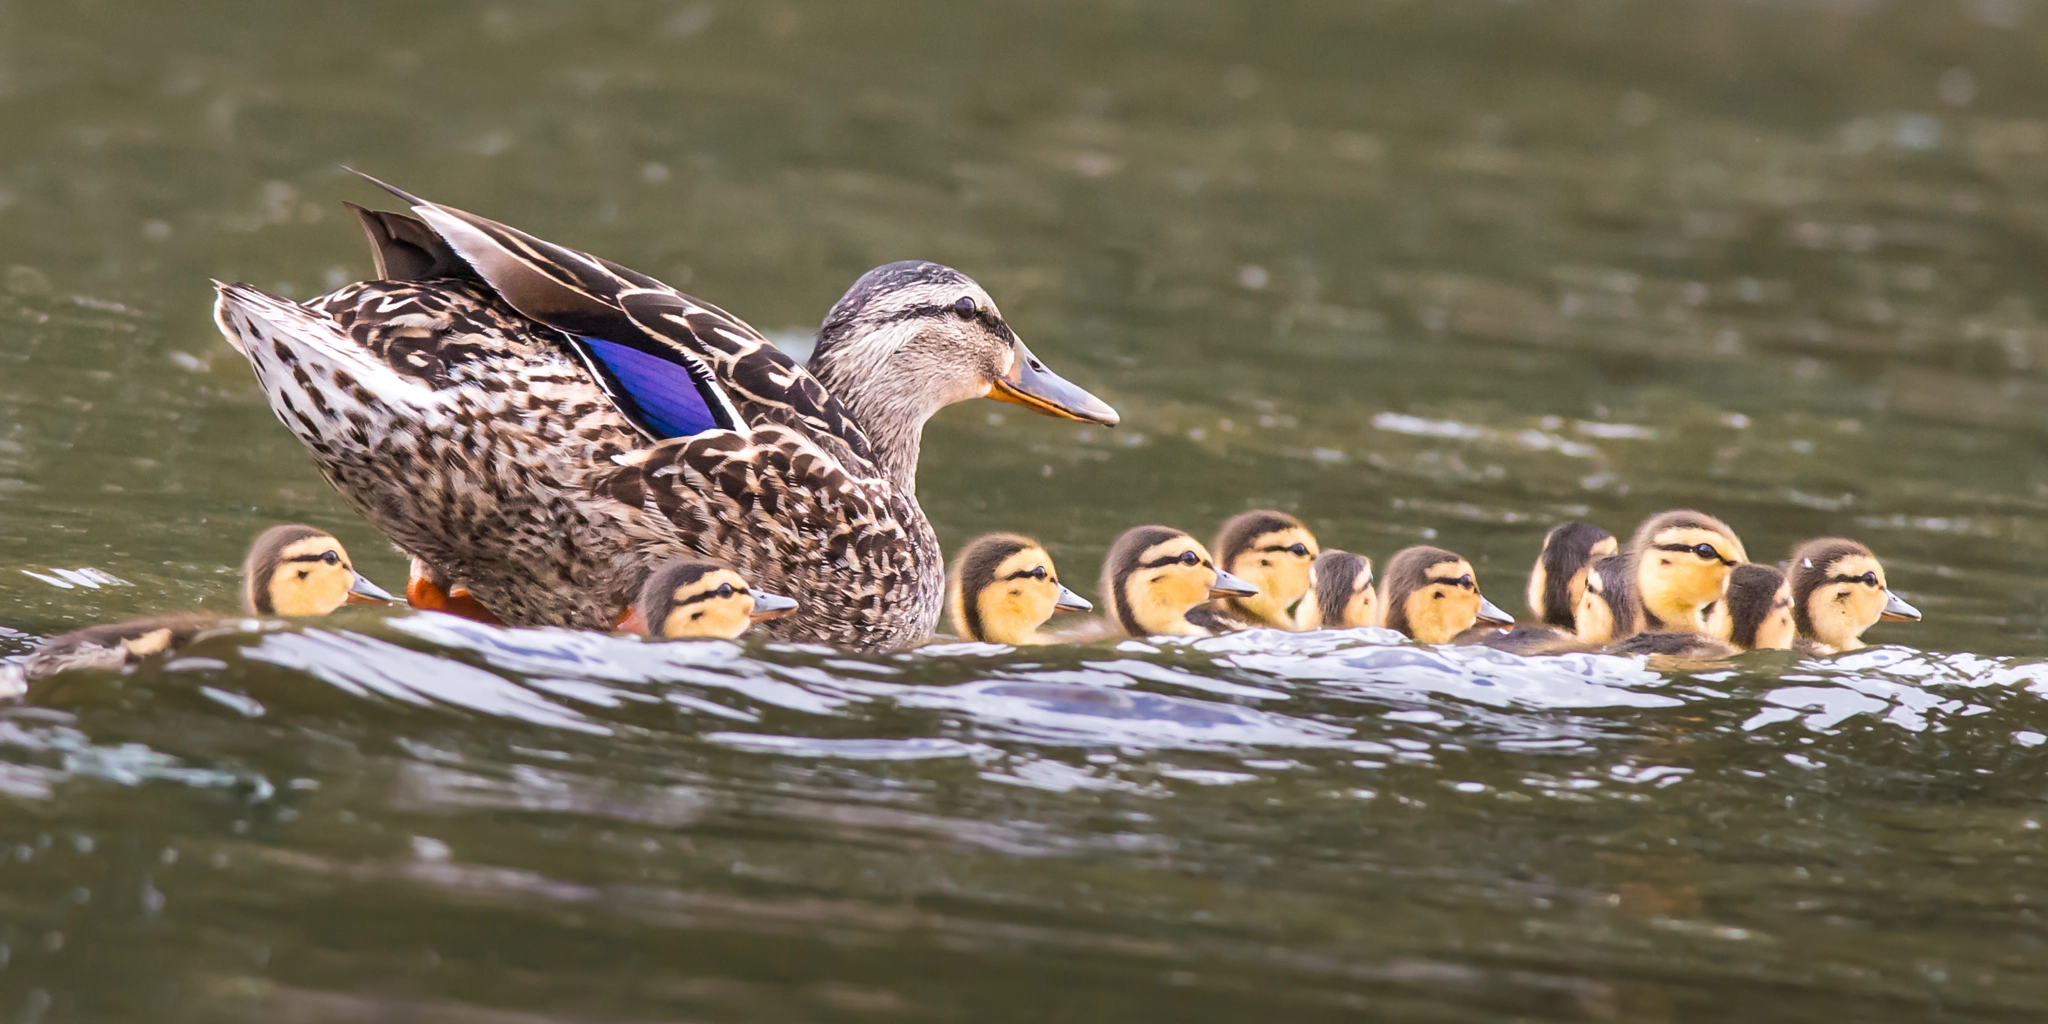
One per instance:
(1556, 584)
(1432, 595)
(1675, 567)
(1340, 593)
(696, 599)
(1155, 576)
(291, 570)
(1271, 551)
(1838, 591)
(1002, 588)
(1756, 615)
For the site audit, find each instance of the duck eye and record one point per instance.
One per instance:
(964, 308)
(724, 590)
(1189, 558)
(330, 558)
(1466, 581)
(1870, 578)
(1037, 572)
(1706, 551)
(1298, 548)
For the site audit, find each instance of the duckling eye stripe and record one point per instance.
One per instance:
(1688, 549)
(302, 558)
(1858, 578)
(705, 596)
(1160, 563)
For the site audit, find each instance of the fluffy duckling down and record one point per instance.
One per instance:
(290, 570)
(1003, 587)
(1675, 568)
(1154, 576)
(1838, 591)
(1272, 551)
(1340, 593)
(1432, 595)
(700, 600)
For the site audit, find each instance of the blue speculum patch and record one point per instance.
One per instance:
(667, 398)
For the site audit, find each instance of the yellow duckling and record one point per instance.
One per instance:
(1432, 595)
(1557, 583)
(1002, 588)
(1271, 551)
(1155, 576)
(695, 599)
(291, 570)
(1676, 566)
(1838, 591)
(1340, 594)
(1756, 615)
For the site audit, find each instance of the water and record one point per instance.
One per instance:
(1450, 271)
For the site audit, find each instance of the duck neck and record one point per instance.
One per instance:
(890, 403)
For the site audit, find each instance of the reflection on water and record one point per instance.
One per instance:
(1449, 271)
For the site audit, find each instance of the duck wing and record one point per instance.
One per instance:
(675, 365)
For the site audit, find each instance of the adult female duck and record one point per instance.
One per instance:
(543, 425)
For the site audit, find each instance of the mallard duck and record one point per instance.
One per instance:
(1838, 591)
(1557, 582)
(1675, 567)
(1340, 593)
(1271, 551)
(1432, 595)
(699, 599)
(1755, 615)
(291, 570)
(543, 426)
(1156, 576)
(1003, 587)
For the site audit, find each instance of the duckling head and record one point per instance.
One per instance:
(690, 599)
(1432, 595)
(1558, 580)
(1608, 608)
(1839, 590)
(1155, 575)
(1271, 551)
(298, 570)
(1340, 594)
(1682, 560)
(1003, 587)
(1756, 614)
(911, 338)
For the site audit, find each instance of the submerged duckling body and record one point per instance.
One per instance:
(1154, 576)
(685, 600)
(291, 570)
(1003, 587)
(1838, 591)
(1271, 551)
(1340, 593)
(1675, 568)
(1755, 615)
(1432, 595)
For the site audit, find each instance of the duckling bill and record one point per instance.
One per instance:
(1432, 595)
(1003, 587)
(1154, 576)
(291, 570)
(699, 599)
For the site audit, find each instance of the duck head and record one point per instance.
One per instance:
(911, 338)
(1155, 575)
(1271, 551)
(1340, 594)
(1003, 587)
(1682, 559)
(1756, 614)
(1432, 595)
(697, 599)
(298, 570)
(1558, 580)
(1839, 590)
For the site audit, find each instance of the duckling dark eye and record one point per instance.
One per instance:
(1190, 558)
(330, 558)
(1298, 549)
(724, 590)
(1870, 578)
(1706, 551)
(964, 308)
(1467, 582)
(1037, 572)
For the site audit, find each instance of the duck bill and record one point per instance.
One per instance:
(1491, 614)
(362, 591)
(1227, 585)
(1042, 391)
(1068, 601)
(1897, 610)
(770, 606)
